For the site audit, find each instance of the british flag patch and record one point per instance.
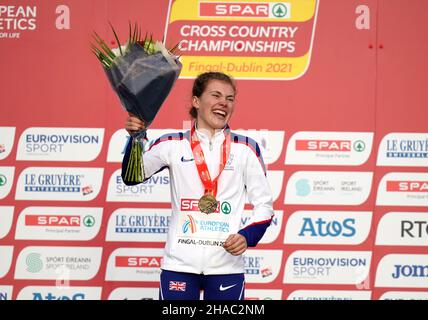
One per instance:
(177, 286)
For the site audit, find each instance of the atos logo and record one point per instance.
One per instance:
(138, 262)
(322, 228)
(410, 271)
(50, 296)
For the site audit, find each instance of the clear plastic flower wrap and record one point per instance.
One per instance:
(142, 73)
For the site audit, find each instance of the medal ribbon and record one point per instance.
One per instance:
(209, 184)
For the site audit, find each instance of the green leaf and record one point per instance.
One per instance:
(117, 39)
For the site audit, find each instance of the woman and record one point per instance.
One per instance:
(212, 170)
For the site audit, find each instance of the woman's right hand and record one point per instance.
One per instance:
(133, 124)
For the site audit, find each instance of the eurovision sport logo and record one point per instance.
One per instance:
(7, 137)
(6, 293)
(66, 184)
(60, 144)
(264, 39)
(59, 223)
(329, 148)
(328, 267)
(155, 189)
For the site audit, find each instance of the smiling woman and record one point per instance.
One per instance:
(206, 237)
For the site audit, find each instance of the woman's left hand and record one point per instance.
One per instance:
(235, 244)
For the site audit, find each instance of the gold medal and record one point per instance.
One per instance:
(207, 203)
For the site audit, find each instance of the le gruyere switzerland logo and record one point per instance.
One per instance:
(263, 40)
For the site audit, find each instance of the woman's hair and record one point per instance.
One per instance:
(201, 83)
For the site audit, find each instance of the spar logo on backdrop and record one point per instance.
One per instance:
(72, 184)
(270, 142)
(58, 263)
(328, 187)
(274, 227)
(15, 19)
(261, 266)
(6, 253)
(134, 264)
(265, 39)
(403, 149)
(134, 294)
(138, 225)
(328, 227)
(403, 229)
(403, 189)
(58, 223)
(404, 295)
(7, 137)
(60, 144)
(263, 294)
(329, 148)
(328, 267)
(6, 292)
(403, 270)
(6, 180)
(330, 295)
(121, 137)
(6, 218)
(59, 293)
(154, 189)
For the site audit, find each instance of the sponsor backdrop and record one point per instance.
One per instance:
(332, 90)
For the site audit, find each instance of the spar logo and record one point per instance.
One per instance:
(330, 145)
(3, 180)
(280, 10)
(59, 221)
(403, 189)
(138, 261)
(189, 225)
(329, 148)
(407, 186)
(187, 205)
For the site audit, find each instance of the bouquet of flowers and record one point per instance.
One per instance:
(142, 73)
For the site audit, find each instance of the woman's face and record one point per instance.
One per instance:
(215, 105)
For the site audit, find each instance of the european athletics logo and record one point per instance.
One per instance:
(189, 225)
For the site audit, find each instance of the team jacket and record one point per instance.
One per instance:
(195, 239)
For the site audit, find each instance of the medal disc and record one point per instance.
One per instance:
(207, 204)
